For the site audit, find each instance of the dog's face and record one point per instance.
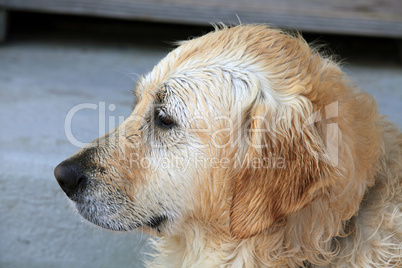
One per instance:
(147, 172)
(142, 174)
(218, 131)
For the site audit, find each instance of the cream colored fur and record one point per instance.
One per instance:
(281, 161)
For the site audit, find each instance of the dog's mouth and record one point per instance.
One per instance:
(113, 215)
(111, 222)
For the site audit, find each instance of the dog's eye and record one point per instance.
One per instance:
(163, 120)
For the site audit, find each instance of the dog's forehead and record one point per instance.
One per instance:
(210, 73)
(182, 71)
(185, 94)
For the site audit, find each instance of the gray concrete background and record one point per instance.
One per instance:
(47, 70)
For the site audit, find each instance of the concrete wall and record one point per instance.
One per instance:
(41, 78)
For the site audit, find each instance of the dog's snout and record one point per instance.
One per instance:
(69, 177)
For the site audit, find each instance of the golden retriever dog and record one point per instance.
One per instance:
(247, 148)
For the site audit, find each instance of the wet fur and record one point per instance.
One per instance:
(311, 207)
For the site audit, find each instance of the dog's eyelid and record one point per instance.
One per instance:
(161, 112)
(163, 119)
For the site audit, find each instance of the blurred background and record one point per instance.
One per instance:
(56, 54)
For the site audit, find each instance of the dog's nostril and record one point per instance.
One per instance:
(81, 179)
(69, 177)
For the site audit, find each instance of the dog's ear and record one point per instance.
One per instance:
(281, 173)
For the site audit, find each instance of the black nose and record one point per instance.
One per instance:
(69, 177)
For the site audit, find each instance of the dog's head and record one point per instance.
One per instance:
(230, 125)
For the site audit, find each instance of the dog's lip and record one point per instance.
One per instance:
(113, 226)
(153, 222)
(156, 221)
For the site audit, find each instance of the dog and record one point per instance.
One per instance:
(248, 148)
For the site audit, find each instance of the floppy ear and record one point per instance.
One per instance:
(281, 173)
